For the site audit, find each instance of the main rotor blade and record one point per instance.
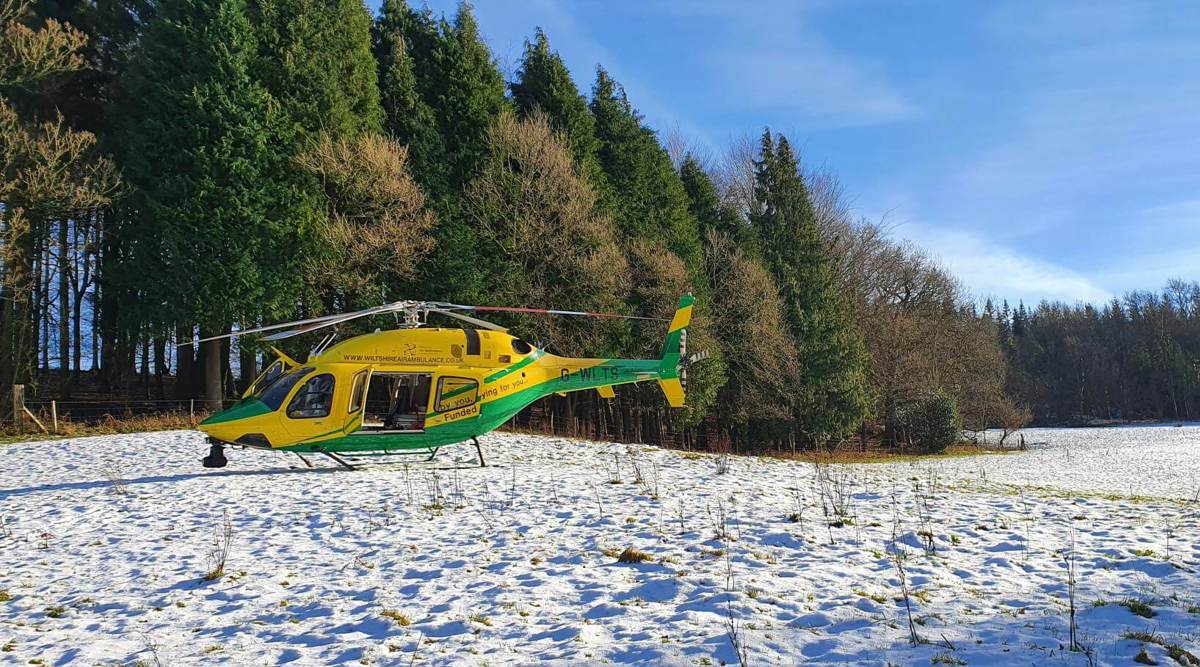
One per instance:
(269, 327)
(339, 319)
(304, 326)
(571, 313)
(467, 318)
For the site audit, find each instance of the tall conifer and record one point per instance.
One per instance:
(710, 212)
(216, 219)
(545, 83)
(467, 93)
(314, 57)
(647, 198)
(400, 33)
(830, 398)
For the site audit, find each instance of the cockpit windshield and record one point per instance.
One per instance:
(264, 380)
(273, 393)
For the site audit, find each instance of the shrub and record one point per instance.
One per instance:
(632, 555)
(931, 422)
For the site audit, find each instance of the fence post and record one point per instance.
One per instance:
(18, 400)
(192, 411)
(54, 415)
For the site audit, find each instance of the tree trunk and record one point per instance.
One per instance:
(64, 299)
(145, 371)
(160, 366)
(212, 371)
(185, 363)
(249, 367)
(111, 360)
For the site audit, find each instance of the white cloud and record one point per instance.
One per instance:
(809, 84)
(988, 269)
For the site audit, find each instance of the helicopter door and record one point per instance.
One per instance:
(396, 402)
(308, 412)
(358, 396)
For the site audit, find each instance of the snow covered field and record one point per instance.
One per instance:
(105, 542)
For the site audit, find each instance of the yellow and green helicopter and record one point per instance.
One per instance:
(415, 389)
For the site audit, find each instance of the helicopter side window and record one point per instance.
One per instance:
(314, 398)
(455, 392)
(273, 395)
(521, 347)
(358, 391)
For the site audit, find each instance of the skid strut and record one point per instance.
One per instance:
(479, 450)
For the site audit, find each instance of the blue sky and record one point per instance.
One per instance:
(1040, 150)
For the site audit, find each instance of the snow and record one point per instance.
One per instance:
(105, 542)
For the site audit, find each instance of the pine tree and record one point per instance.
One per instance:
(459, 81)
(831, 396)
(466, 91)
(545, 83)
(650, 206)
(216, 223)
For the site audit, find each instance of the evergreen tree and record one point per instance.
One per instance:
(399, 32)
(466, 91)
(645, 194)
(460, 82)
(650, 206)
(314, 58)
(545, 83)
(711, 214)
(831, 397)
(217, 224)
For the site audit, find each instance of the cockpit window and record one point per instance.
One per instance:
(314, 398)
(271, 374)
(278, 390)
(521, 347)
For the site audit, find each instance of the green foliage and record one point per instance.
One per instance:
(645, 194)
(454, 95)
(466, 91)
(544, 83)
(931, 422)
(746, 306)
(1133, 358)
(407, 115)
(831, 398)
(314, 57)
(711, 214)
(215, 218)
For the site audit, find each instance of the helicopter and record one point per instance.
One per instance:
(415, 389)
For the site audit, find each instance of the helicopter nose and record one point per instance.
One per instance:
(231, 423)
(251, 407)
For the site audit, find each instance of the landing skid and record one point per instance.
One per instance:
(216, 457)
(364, 460)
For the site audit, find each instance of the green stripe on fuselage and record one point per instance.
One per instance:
(492, 414)
(533, 356)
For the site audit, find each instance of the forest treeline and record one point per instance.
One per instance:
(181, 168)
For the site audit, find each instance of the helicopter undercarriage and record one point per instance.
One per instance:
(357, 461)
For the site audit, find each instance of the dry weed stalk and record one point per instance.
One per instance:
(218, 555)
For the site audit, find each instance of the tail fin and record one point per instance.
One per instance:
(673, 350)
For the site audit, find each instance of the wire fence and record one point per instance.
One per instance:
(94, 411)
